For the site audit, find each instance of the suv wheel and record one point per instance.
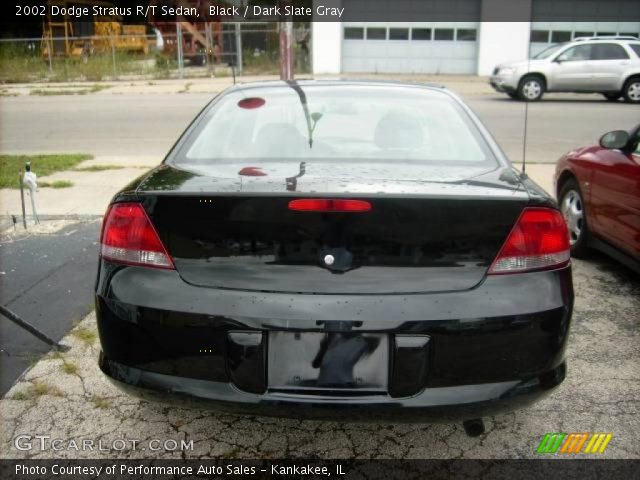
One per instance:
(612, 97)
(573, 211)
(631, 90)
(531, 88)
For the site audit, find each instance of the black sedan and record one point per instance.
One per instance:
(336, 249)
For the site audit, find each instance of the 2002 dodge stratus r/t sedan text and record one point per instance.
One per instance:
(336, 248)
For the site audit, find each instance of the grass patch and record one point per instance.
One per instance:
(55, 184)
(86, 335)
(20, 396)
(186, 88)
(56, 355)
(69, 367)
(20, 65)
(12, 165)
(68, 91)
(98, 168)
(101, 402)
(59, 184)
(46, 92)
(37, 389)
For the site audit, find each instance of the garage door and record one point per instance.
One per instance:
(412, 47)
(613, 17)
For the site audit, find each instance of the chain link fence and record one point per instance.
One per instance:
(234, 49)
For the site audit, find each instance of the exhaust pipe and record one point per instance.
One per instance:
(474, 427)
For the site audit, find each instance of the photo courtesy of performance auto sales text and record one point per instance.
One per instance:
(356, 239)
(96, 471)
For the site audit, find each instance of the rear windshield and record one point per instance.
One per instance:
(336, 123)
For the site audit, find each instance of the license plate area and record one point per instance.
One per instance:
(317, 362)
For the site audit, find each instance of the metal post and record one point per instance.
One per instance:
(238, 48)
(24, 210)
(286, 50)
(32, 330)
(50, 53)
(209, 47)
(179, 48)
(113, 57)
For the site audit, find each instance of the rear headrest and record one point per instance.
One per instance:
(397, 130)
(279, 139)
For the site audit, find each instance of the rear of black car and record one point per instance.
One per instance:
(346, 284)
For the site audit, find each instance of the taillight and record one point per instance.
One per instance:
(329, 205)
(128, 237)
(538, 241)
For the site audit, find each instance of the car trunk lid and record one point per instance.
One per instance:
(416, 236)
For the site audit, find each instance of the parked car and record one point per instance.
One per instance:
(598, 189)
(606, 65)
(361, 248)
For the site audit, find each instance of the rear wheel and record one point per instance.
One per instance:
(612, 97)
(631, 90)
(573, 211)
(531, 88)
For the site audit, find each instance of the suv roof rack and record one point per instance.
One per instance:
(605, 37)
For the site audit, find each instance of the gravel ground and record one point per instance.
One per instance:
(66, 396)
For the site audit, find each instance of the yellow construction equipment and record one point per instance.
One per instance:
(83, 36)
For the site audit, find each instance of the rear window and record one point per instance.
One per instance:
(608, 51)
(636, 48)
(336, 123)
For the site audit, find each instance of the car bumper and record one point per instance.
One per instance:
(493, 348)
(503, 83)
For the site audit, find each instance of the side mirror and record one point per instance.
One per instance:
(616, 140)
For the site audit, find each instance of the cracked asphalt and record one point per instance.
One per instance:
(66, 397)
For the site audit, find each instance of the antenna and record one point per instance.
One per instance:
(524, 140)
(526, 110)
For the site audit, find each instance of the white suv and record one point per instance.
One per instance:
(607, 65)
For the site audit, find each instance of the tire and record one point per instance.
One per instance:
(611, 97)
(631, 90)
(574, 213)
(531, 88)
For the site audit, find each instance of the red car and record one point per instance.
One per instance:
(598, 189)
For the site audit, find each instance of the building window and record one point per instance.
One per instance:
(466, 34)
(540, 36)
(353, 33)
(398, 34)
(606, 34)
(560, 36)
(420, 34)
(582, 34)
(443, 34)
(376, 33)
(629, 34)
